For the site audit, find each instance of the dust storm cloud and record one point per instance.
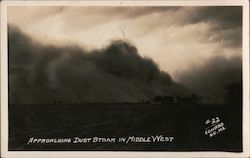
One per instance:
(214, 78)
(116, 73)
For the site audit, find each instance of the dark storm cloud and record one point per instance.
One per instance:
(116, 73)
(226, 22)
(214, 76)
(223, 17)
(218, 76)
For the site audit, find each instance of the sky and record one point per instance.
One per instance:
(124, 54)
(176, 38)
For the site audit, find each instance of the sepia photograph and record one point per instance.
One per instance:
(132, 77)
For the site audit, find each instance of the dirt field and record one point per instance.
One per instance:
(186, 123)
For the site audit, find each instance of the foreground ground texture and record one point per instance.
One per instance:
(186, 123)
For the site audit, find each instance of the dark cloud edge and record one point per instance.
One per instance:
(116, 73)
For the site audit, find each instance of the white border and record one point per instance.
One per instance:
(65, 154)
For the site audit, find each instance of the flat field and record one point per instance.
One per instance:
(184, 122)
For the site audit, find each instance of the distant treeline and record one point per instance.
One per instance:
(231, 97)
(175, 99)
(195, 99)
